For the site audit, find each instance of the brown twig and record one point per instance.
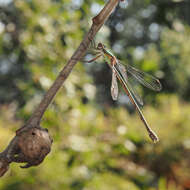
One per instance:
(32, 143)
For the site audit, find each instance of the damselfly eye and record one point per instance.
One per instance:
(100, 46)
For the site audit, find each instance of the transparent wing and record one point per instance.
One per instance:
(123, 72)
(135, 94)
(145, 79)
(114, 86)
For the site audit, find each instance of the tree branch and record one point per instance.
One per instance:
(32, 143)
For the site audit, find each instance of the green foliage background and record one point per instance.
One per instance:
(98, 143)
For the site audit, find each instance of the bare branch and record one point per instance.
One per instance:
(32, 143)
(98, 21)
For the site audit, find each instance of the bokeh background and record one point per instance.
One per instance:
(98, 144)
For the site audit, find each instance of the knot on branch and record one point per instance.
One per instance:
(33, 145)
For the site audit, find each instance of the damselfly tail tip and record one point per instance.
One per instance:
(154, 137)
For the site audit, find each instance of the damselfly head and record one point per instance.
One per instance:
(100, 46)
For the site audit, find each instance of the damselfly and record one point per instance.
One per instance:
(121, 73)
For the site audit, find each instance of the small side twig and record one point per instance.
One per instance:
(32, 143)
